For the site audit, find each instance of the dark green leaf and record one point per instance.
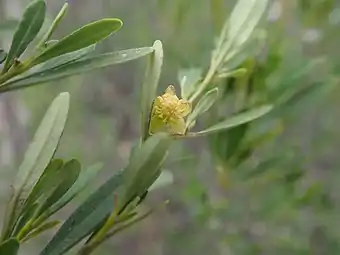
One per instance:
(226, 143)
(80, 66)
(85, 219)
(3, 56)
(81, 38)
(81, 183)
(10, 247)
(237, 120)
(145, 164)
(66, 177)
(149, 87)
(29, 27)
(45, 181)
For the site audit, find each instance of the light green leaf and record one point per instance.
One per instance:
(237, 120)
(244, 19)
(54, 25)
(203, 105)
(10, 247)
(76, 67)
(44, 143)
(38, 155)
(29, 27)
(165, 178)
(145, 166)
(85, 219)
(83, 180)
(150, 84)
(81, 38)
(62, 60)
(188, 78)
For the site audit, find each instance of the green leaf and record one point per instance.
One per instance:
(149, 87)
(46, 226)
(3, 56)
(47, 178)
(244, 19)
(76, 67)
(237, 120)
(29, 27)
(83, 180)
(145, 166)
(203, 105)
(44, 143)
(81, 38)
(54, 25)
(67, 176)
(10, 247)
(165, 178)
(85, 219)
(188, 78)
(38, 154)
(62, 60)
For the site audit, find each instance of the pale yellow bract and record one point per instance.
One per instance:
(168, 113)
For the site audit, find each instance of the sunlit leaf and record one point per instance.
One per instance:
(81, 38)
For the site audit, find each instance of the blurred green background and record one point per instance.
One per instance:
(285, 201)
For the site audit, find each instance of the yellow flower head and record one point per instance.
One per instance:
(168, 113)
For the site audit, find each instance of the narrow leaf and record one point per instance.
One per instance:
(3, 56)
(237, 120)
(84, 179)
(29, 27)
(149, 87)
(80, 66)
(81, 38)
(244, 18)
(38, 155)
(49, 176)
(144, 167)
(10, 247)
(188, 78)
(62, 60)
(67, 176)
(203, 105)
(85, 219)
(54, 25)
(44, 227)
(44, 143)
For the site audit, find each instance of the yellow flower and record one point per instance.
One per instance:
(168, 113)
